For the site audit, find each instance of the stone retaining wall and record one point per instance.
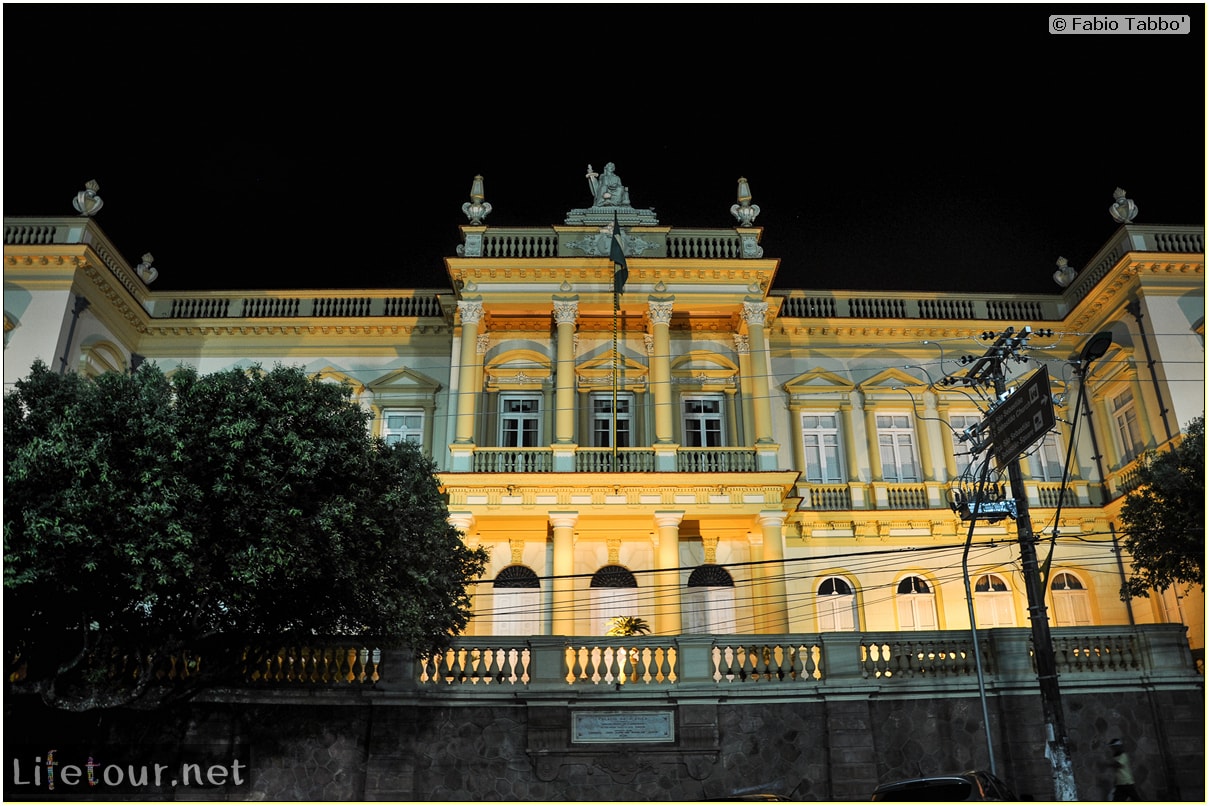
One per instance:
(339, 746)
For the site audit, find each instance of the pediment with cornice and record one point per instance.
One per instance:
(892, 381)
(404, 381)
(819, 381)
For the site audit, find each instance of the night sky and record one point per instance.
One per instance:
(899, 148)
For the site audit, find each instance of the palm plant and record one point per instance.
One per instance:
(628, 625)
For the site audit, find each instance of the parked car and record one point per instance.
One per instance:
(756, 796)
(968, 785)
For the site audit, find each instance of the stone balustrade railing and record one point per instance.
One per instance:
(883, 305)
(768, 665)
(477, 668)
(544, 242)
(1134, 238)
(603, 460)
(728, 664)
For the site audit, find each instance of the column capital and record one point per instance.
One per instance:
(566, 310)
(471, 311)
(769, 517)
(563, 520)
(660, 311)
(754, 312)
(462, 521)
(669, 518)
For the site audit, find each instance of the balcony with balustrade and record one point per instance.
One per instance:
(685, 667)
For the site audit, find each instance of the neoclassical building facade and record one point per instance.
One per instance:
(705, 450)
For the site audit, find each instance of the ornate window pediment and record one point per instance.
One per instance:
(892, 385)
(704, 370)
(597, 373)
(819, 382)
(404, 385)
(99, 357)
(516, 370)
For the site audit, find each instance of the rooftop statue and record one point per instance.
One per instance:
(607, 190)
(609, 196)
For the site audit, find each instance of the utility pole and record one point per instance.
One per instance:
(989, 371)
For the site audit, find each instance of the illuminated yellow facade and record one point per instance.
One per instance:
(707, 451)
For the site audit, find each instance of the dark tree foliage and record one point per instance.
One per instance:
(1164, 518)
(145, 517)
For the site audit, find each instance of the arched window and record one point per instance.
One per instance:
(709, 602)
(517, 605)
(836, 605)
(993, 606)
(916, 605)
(614, 592)
(1071, 605)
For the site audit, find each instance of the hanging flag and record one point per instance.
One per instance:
(621, 272)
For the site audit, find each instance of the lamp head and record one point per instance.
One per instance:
(1097, 346)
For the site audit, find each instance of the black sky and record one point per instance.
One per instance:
(958, 148)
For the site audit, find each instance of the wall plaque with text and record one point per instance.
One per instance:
(623, 726)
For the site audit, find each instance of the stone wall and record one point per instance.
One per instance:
(370, 745)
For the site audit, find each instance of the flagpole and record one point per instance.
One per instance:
(620, 273)
(616, 308)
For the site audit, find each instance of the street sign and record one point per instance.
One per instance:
(1022, 419)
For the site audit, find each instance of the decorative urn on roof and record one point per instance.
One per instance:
(1123, 210)
(87, 202)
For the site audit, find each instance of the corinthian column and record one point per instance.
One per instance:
(565, 312)
(661, 367)
(753, 314)
(747, 395)
(471, 314)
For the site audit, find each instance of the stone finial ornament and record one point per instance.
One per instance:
(87, 202)
(1123, 210)
(146, 272)
(1065, 275)
(744, 211)
(477, 208)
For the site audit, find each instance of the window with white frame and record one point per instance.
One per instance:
(709, 601)
(520, 421)
(703, 421)
(1071, 605)
(613, 592)
(821, 447)
(403, 425)
(1129, 432)
(916, 605)
(605, 423)
(836, 606)
(961, 450)
(896, 444)
(1046, 461)
(517, 605)
(993, 606)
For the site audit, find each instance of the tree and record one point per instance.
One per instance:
(148, 517)
(1164, 517)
